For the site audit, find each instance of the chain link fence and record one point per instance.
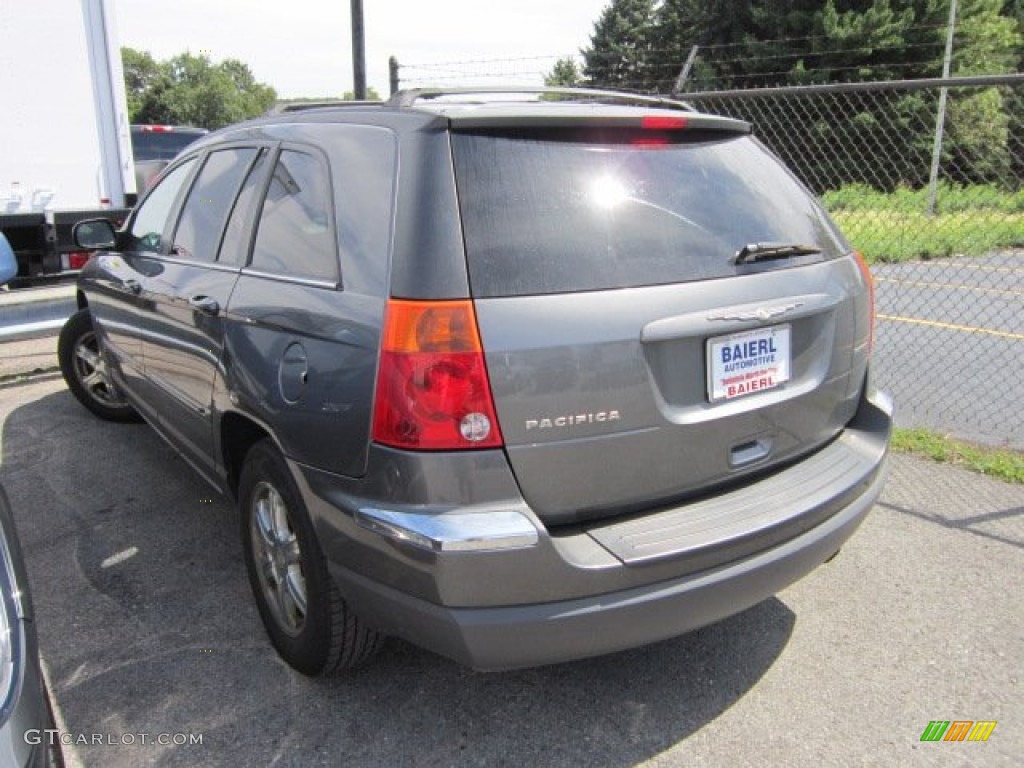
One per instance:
(926, 178)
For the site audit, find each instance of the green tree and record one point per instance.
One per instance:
(565, 73)
(620, 46)
(784, 42)
(681, 24)
(978, 122)
(747, 44)
(192, 90)
(140, 72)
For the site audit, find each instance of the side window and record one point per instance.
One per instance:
(294, 235)
(235, 247)
(209, 202)
(150, 220)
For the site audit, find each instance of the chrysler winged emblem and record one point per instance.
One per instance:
(761, 313)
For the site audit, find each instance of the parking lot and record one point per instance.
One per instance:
(949, 339)
(147, 627)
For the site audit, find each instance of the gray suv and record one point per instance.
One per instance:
(519, 378)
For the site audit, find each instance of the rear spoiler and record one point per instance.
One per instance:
(503, 107)
(649, 121)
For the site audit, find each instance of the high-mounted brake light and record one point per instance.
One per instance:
(432, 387)
(866, 272)
(158, 129)
(660, 123)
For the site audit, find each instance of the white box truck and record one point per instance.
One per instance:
(65, 139)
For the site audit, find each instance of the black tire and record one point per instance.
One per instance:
(84, 368)
(308, 621)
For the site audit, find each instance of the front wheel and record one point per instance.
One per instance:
(86, 372)
(308, 621)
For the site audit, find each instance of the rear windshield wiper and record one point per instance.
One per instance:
(766, 251)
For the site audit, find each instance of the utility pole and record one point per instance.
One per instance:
(684, 73)
(358, 51)
(393, 75)
(940, 120)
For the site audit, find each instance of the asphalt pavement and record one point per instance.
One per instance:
(147, 626)
(950, 344)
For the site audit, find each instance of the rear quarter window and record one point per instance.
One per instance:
(555, 214)
(294, 235)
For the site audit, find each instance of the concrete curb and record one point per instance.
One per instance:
(35, 313)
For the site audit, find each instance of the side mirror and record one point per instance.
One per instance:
(94, 234)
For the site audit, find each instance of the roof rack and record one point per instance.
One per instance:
(301, 106)
(409, 97)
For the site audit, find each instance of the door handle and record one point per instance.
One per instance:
(205, 304)
(132, 286)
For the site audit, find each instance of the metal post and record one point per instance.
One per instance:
(358, 51)
(684, 73)
(940, 120)
(393, 74)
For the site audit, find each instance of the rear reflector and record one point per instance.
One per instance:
(432, 388)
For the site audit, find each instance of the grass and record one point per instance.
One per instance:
(1001, 463)
(895, 226)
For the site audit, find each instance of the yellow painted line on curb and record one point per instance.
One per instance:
(957, 286)
(950, 326)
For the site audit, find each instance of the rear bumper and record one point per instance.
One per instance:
(592, 591)
(532, 635)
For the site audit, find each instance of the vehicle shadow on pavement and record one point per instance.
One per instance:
(147, 626)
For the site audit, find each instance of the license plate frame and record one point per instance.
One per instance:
(763, 362)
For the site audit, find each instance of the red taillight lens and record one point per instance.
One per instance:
(866, 272)
(658, 123)
(432, 387)
(78, 259)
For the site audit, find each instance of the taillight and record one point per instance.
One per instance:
(866, 272)
(432, 387)
(78, 259)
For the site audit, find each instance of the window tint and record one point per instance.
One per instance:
(209, 202)
(151, 218)
(294, 235)
(234, 249)
(549, 215)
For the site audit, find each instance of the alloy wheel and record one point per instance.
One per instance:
(92, 372)
(278, 558)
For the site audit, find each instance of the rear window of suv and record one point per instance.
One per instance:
(549, 213)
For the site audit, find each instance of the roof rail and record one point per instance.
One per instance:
(409, 97)
(300, 106)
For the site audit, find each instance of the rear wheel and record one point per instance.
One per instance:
(86, 372)
(308, 621)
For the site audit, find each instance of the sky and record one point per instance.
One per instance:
(304, 47)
